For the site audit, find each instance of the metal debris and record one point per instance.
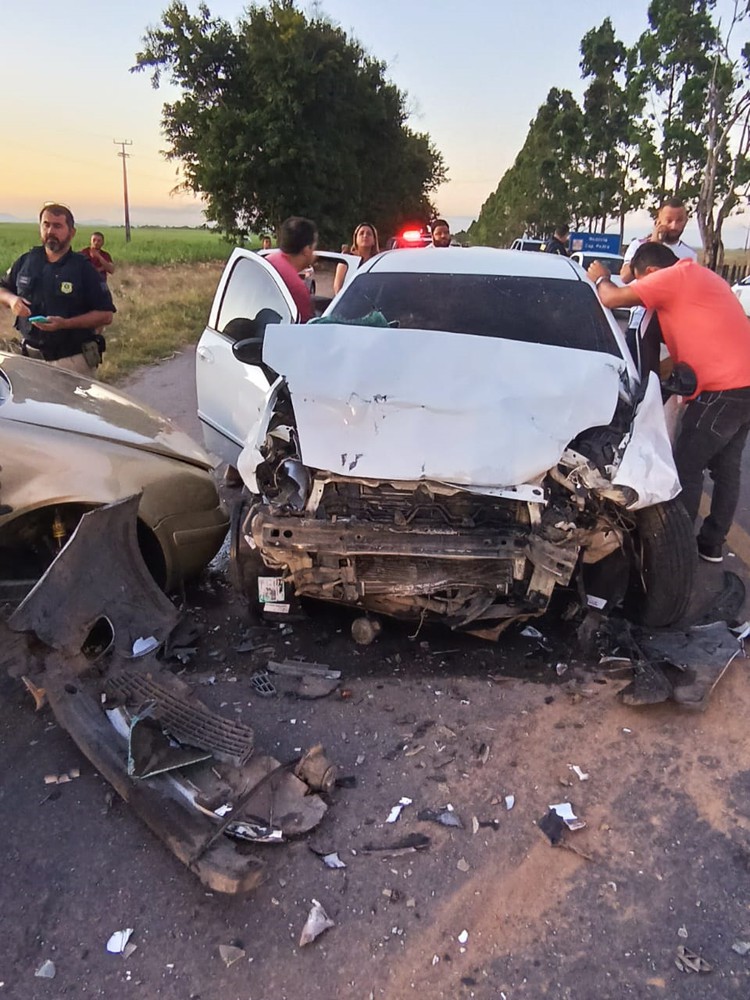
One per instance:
(407, 845)
(317, 922)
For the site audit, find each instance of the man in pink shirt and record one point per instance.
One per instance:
(705, 327)
(298, 239)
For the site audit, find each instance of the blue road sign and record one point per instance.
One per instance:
(595, 242)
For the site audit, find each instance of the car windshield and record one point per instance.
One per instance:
(613, 264)
(557, 312)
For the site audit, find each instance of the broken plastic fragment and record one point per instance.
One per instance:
(395, 812)
(463, 937)
(333, 860)
(510, 801)
(46, 970)
(118, 940)
(142, 645)
(688, 961)
(446, 816)
(581, 775)
(317, 922)
(741, 947)
(230, 954)
(565, 811)
(531, 633)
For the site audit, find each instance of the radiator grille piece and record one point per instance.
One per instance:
(187, 721)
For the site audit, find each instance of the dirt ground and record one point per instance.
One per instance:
(663, 861)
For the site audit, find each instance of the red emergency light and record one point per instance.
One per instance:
(412, 235)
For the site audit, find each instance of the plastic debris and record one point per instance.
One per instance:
(688, 961)
(317, 922)
(741, 947)
(565, 811)
(682, 931)
(142, 645)
(510, 801)
(531, 633)
(552, 826)
(463, 865)
(561, 668)
(463, 937)
(262, 685)
(118, 940)
(230, 954)
(445, 816)
(581, 775)
(46, 970)
(407, 845)
(395, 812)
(333, 860)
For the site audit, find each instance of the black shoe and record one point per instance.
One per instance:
(711, 553)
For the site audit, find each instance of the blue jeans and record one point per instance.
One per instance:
(712, 436)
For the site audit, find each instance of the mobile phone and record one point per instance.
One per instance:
(38, 319)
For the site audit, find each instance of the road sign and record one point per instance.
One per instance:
(595, 242)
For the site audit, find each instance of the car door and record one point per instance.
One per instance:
(230, 393)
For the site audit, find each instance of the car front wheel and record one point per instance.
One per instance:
(664, 563)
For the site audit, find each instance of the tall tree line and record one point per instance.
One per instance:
(668, 116)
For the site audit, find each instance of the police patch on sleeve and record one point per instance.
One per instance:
(66, 287)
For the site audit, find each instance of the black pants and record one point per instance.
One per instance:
(713, 433)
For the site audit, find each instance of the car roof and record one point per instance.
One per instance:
(599, 254)
(473, 260)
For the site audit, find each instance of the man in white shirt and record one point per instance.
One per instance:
(669, 225)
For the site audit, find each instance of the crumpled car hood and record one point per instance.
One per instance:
(32, 392)
(396, 404)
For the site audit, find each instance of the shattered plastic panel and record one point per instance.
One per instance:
(403, 404)
(647, 464)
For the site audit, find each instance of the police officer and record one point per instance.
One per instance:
(57, 299)
(558, 243)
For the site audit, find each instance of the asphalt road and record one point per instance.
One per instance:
(488, 910)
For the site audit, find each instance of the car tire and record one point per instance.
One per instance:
(664, 563)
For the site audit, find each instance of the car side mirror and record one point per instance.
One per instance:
(682, 381)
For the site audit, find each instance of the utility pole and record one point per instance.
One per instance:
(123, 143)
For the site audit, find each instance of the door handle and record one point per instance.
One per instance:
(205, 354)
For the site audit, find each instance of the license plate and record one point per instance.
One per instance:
(270, 589)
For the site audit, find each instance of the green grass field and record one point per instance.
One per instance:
(149, 245)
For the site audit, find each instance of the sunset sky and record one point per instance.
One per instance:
(475, 74)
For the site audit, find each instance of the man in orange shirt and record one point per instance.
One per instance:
(705, 327)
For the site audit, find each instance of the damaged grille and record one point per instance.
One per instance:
(420, 508)
(193, 725)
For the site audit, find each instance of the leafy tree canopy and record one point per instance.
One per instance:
(285, 115)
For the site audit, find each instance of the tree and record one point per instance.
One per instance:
(542, 188)
(727, 131)
(285, 115)
(611, 131)
(673, 73)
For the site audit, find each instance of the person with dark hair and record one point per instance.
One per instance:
(266, 242)
(669, 225)
(57, 298)
(298, 239)
(100, 259)
(559, 241)
(365, 244)
(704, 326)
(441, 233)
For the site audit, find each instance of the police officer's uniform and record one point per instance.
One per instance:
(556, 246)
(66, 287)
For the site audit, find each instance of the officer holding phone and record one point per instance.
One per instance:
(57, 298)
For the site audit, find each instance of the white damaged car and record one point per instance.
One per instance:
(463, 432)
